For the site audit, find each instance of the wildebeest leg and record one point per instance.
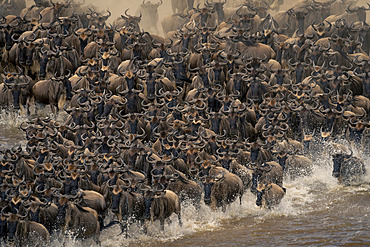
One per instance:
(63, 239)
(28, 109)
(126, 233)
(162, 224)
(124, 227)
(54, 109)
(101, 222)
(169, 221)
(179, 218)
(144, 226)
(97, 240)
(224, 207)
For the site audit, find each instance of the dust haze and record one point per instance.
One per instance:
(118, 7)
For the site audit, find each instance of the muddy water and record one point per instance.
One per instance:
(316, 211)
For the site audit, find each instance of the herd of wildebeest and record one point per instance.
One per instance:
(233, 99)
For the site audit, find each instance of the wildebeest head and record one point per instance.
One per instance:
(208, 183)
(300, 15)
(8, 33)
(131, 20)
(45, 56)
(116, 196)
(16, 83)
(30, 54)
(258, 171)
(149, 195)
(12, 226)
(63, 204)
(261, 188)
(360, 11)
(338, 161)
(149, 6)
(219, 8)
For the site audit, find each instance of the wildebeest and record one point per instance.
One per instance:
(15, 90)
(127, 205)
(149, 11)
(12, 7)
(173, 22)
(222, 190)
(81, 221)
(186, 189)
(178, 6)
(270, 172)
(50, 91)
(161, 204)
(243, 172)
(127, 20)
(297, 166)
(143, 95)
(348, 168)
(43, 213)
(23, 232)
(269, 195)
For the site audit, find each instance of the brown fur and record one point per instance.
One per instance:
(32, 233)
(272, 194)
(84, 223)
(226, 191)
(164, 205)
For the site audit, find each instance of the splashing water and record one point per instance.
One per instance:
(315, 210)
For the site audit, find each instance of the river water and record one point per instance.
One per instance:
(316, 211)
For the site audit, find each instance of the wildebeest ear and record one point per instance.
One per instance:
(160, 194)
(219, 177)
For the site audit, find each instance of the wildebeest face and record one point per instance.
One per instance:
(256, 176)
(150, 87)
(337, 163)
(8, 39)
(12, 228)
(83, 44)
(67, 84)
(260, 191)
(3, 227)
(299, 73)
(29, 55)
(34, 216)
(282, 161)
(22, 54)
(62, 210)
(148, 199)
(207, 186)
(259, 198)
(16, 92)
(115, 202)
(206, 55)
(3, 195)
(94, 176)
(43, 62)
